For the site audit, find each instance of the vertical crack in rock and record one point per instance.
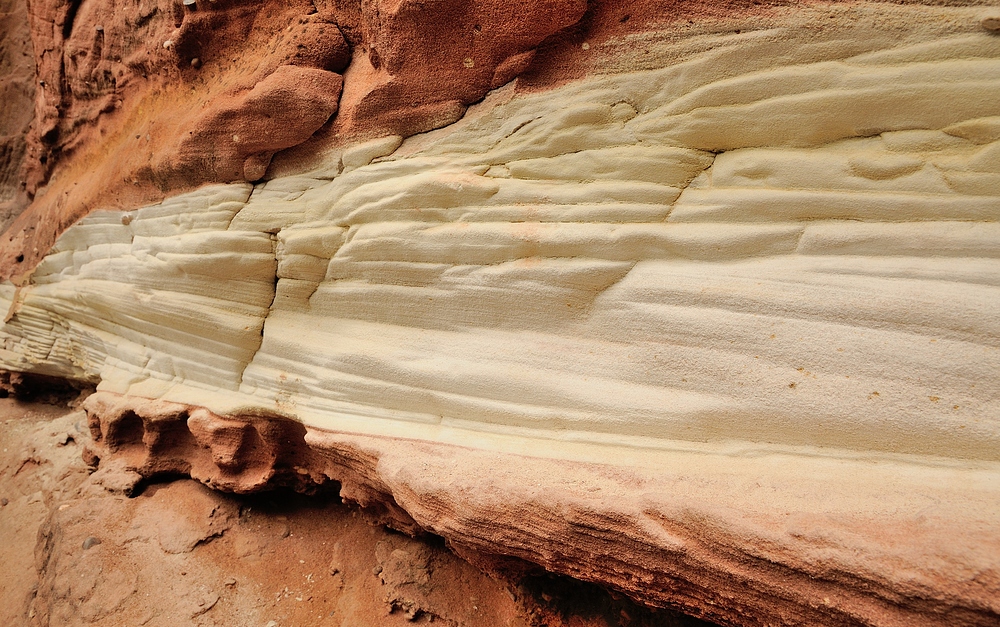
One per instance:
(70, 17)
(270, 308)
(706, 173)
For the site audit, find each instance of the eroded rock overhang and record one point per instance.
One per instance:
(718, 330)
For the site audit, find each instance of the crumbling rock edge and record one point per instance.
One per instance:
(78, 554)
(681, 559)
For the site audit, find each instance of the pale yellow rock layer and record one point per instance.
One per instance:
(803, 254)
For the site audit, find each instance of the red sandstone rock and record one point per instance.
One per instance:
(118, 86)
(659, 558)
(17, 93)
(437, 57)
(234, 138)
(178, 553)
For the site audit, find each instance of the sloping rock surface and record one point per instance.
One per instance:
(76, 553)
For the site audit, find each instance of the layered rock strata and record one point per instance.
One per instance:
(139, 101)
(715, 326)
(739, 536)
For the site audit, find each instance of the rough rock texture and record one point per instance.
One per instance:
(164, 97)
(733, 537)
(93, 57)
(237, 137)
(17, 91)
(76, 553)
(703, 310)
(422, 63)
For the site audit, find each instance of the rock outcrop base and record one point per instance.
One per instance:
(730, 538)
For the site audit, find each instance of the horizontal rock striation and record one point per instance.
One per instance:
(143, 100)
(734, 536)
(717, 330)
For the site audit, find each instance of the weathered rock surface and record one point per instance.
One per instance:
(180, 554)
(713, 324)
(142, 99)
(17, 91)
(733, 535)
(236, 138)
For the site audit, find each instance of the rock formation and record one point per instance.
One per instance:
(699, 303)
(76, 553)
(16, 98)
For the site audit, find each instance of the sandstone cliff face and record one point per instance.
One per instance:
(16, 97)
(138, 100)
(710, 320)
(77, 554)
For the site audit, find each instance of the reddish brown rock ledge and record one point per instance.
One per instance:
(631, 533)
(77, 555)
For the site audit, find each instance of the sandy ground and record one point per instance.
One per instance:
(177, 553)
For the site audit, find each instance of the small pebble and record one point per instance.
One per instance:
(991, 23)
(230, 582)
(271, 623)
(196, 63)
(4, 501)
(89, 542)
(377, 570)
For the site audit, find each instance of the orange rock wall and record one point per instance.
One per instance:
(140, 99)
(17, 93)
